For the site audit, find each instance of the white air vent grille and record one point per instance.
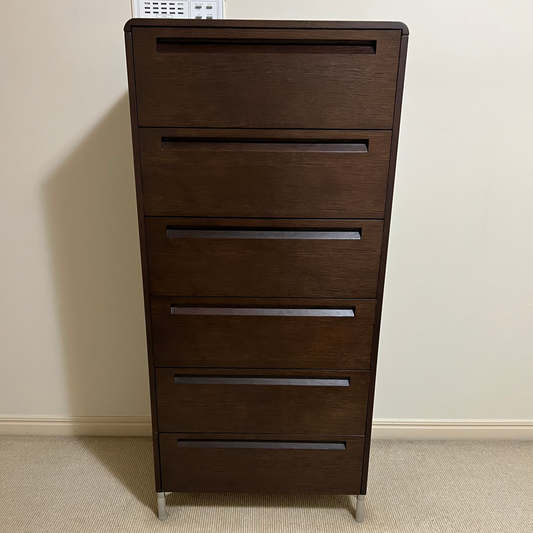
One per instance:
(183, 9)
(160, 9)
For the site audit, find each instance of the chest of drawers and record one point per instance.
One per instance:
(264, 159)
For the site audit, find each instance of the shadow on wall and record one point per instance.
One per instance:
(91, 218)
(92, 225)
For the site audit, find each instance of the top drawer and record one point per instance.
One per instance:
(265, 78)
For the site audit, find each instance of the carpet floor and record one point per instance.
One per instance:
(106, 485)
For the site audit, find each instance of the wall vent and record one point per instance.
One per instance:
(174, 9)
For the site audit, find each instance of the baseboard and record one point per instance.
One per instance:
(140, 426)
(418, 429)
(102, 426)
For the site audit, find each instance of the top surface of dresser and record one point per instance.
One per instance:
(299, 77)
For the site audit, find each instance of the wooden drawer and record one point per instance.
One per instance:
(262, 333)
(312, 402)
(263, 258)
(259, 463)
(265, 78)
(258, 173)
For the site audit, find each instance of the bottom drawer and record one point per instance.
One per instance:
(199, 462)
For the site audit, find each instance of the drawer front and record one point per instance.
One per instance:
(262, 401)
(253, 173)
(258, 258)
(255, 463)
(262, 333)
(265, 78)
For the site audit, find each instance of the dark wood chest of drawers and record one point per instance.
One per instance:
(264, 158)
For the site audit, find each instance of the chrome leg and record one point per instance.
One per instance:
(162, 506)
(360, 509)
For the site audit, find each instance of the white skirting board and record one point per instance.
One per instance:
(76, 426)
(420, 429)
(140, 426)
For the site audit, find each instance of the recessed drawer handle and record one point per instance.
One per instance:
(253, 145)
(236, 311)
(261, 445)
(250, 46)
(237, 380)
(343, 235)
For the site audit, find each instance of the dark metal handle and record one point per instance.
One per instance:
(251, 46)
(261, 445)
(252, 145)
(238, 380)
(248, 311)
(344, 235)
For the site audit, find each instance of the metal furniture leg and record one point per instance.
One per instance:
(360, 509)
(162, 506)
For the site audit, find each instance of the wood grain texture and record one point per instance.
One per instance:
(235, 173)
(252, 126)
(259, 341)
(260, 470)
(268, 88)
(244, 408)
(263, 267)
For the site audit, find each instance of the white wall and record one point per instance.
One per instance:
(457, 335)
(72, 340)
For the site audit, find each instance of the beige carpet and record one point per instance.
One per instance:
(106, 485)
